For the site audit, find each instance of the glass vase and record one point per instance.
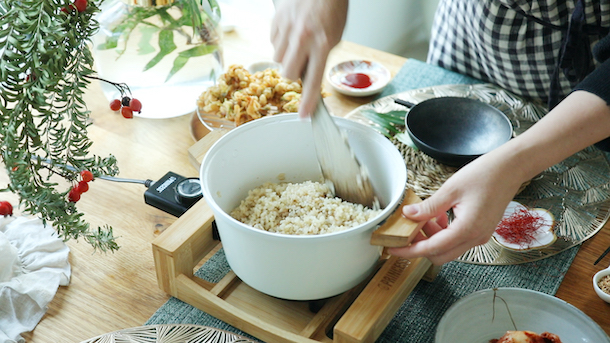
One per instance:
(167, 52)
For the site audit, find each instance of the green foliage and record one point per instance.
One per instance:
(153, 20)
(44, 65)
(389, 123)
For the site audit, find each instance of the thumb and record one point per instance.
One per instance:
(426, 210)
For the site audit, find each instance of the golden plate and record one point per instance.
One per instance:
(575, 191)
(170, 333)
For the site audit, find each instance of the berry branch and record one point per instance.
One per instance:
(45, 67)
(126, 104)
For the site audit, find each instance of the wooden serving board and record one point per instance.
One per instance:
(358, 315)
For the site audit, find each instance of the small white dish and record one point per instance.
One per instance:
(543, 237)
(596, 278)
(263, 65)
(366, 77)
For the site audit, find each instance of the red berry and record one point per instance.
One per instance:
(74, 195)
(127, 112)
(6, 209)
(82, 186)
(81, 5)
(135, 105)
(115, 105)
(86, 175)
(68, 9)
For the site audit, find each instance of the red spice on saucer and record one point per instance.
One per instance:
(520, 227)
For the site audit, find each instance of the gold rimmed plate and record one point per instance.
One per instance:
(574, 190)
(170, 333)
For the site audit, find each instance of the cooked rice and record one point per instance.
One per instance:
(604, 284)
(306, 208)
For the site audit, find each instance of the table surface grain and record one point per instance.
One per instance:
(114, 291)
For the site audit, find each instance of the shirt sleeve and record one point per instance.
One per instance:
(598, 82)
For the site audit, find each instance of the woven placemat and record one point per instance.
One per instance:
(417, 318)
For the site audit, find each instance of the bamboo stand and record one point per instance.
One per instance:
(358, 315)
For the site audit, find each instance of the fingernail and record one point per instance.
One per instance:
(410, 210)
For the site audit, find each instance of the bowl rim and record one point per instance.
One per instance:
(596, 278)
(418, 141)
(546, 296)
(385, 212)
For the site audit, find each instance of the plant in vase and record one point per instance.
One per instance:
(168, 51)
(45, 68)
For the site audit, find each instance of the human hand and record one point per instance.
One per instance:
(478, 195)
(303, 32)
(479, 192)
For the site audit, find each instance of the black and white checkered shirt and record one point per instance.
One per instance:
(537, 48)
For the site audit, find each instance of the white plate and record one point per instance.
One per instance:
(543, 237)
(483, 315)
(378, 74)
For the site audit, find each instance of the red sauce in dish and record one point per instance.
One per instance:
(357, 80)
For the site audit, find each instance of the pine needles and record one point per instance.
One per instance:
(44, 64)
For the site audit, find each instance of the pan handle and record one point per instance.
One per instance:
(398, 231)
(405, 103)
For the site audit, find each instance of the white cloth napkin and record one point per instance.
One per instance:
(33, 264)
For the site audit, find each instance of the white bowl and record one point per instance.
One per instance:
(263, 65)
(543, 237)
(281, 148)
(378, 74)
(483, 315)
(596, 278)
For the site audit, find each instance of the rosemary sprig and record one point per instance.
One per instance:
(388, 123)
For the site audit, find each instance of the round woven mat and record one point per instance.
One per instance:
(170, 333)
(576, 191)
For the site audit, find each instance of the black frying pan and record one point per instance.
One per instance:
(455, 130)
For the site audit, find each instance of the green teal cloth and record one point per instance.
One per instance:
(417, 318)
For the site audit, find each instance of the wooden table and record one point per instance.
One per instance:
(109, 292)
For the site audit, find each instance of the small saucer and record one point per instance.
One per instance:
(377, 75)
(543, 237)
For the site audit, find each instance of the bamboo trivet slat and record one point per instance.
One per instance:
(370, 307)
(358, 315)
